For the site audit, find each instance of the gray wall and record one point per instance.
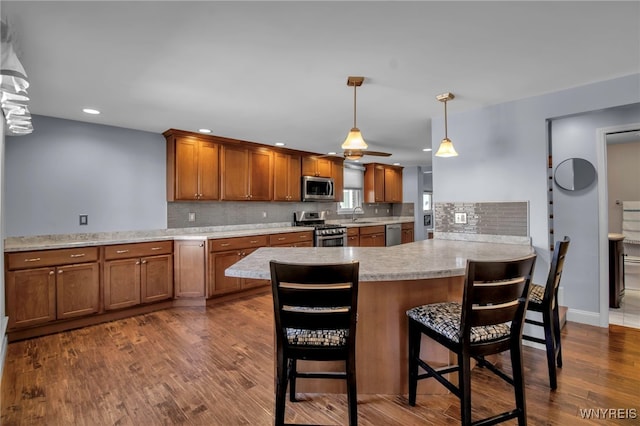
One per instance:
(503, 157)
(575, 213)
(66, 168)
(3, 317)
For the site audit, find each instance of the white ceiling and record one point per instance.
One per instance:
(276, 71)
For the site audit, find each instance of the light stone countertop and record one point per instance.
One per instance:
(58, 241)
(418, 260)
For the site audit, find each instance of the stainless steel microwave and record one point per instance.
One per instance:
(316, 188)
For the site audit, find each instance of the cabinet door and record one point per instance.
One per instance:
(156, 278)
(234, 169)
(208, 173)
(392, 185)
(407, 234)
(190, 267)
(374, 183)
(218, 262)
(260, 175)
(372, 240)
(77, 290)
(186, 174)
(338, 179)
(324, 167)
(31, 297)
(121, 283)
(286, 177)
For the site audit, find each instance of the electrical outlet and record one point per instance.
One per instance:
(84, 219)
(192, 217)
(460, 218)
(375, 211)
(264, 214)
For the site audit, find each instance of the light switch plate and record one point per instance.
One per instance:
(192, 217)
(460, 218)
(84, 219)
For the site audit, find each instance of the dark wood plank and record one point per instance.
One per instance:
(214, 366)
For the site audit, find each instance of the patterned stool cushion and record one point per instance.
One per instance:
(444, 318)
(296, 336)
(537, 293)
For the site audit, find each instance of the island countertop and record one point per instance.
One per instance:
(419, 260)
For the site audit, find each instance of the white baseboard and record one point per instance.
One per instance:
(584, 317)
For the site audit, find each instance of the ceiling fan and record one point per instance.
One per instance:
(354, 145)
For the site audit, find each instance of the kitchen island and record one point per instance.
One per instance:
(392, 280)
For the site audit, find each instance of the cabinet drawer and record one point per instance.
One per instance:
(223, 244)
(290, 237)
(353, 231)
(372, 230)
(40, 258)
(123, 251)
(407, 225)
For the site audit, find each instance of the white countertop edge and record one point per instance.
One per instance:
(482, 238)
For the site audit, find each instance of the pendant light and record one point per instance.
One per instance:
(446, 146)
(13, 87)
(354, 140)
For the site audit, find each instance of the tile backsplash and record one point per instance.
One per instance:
(240, 213)
(486, 218)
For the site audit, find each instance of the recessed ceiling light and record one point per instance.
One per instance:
(396, 164)
(204, 130)
(427, 172)
(331, 153)
(427, 149)
(90, 111)
(279, 144)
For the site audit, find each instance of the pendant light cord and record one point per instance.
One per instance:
(445, 120)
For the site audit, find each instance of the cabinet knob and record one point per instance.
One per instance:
(50, 272)
(138, 262)
(144, 261)
(59, 271)
(201, 244)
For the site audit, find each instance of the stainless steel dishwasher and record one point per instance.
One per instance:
(393, 235)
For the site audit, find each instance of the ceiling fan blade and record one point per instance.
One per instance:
(377, 153)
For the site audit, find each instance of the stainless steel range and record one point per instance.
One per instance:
(324, 234)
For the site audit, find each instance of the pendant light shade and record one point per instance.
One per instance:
(13, 87)
(354, 140)
(446, 148)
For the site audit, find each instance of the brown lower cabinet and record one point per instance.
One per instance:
(225, 252)
(372, 236)
(48, 285)
(137, 273)
(353, 237)
(407, 233)
(190, 263)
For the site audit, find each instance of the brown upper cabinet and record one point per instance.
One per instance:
(211, 168)
(286, 179)
(317, 166)
(192, 168)
(382, 183)
(246, 173)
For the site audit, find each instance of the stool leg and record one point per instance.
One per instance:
(464, 385)
(351, 390)
(518, 383)
(414, 354)
(549, 339)
(556, 326)
(293, 371)
(281, 388)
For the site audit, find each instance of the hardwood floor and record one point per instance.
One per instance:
(194, 366)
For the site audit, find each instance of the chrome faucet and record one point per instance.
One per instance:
(353, 215)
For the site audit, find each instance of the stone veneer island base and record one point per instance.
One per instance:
(392, 280)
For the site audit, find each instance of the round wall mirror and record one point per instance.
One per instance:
(574, 174)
